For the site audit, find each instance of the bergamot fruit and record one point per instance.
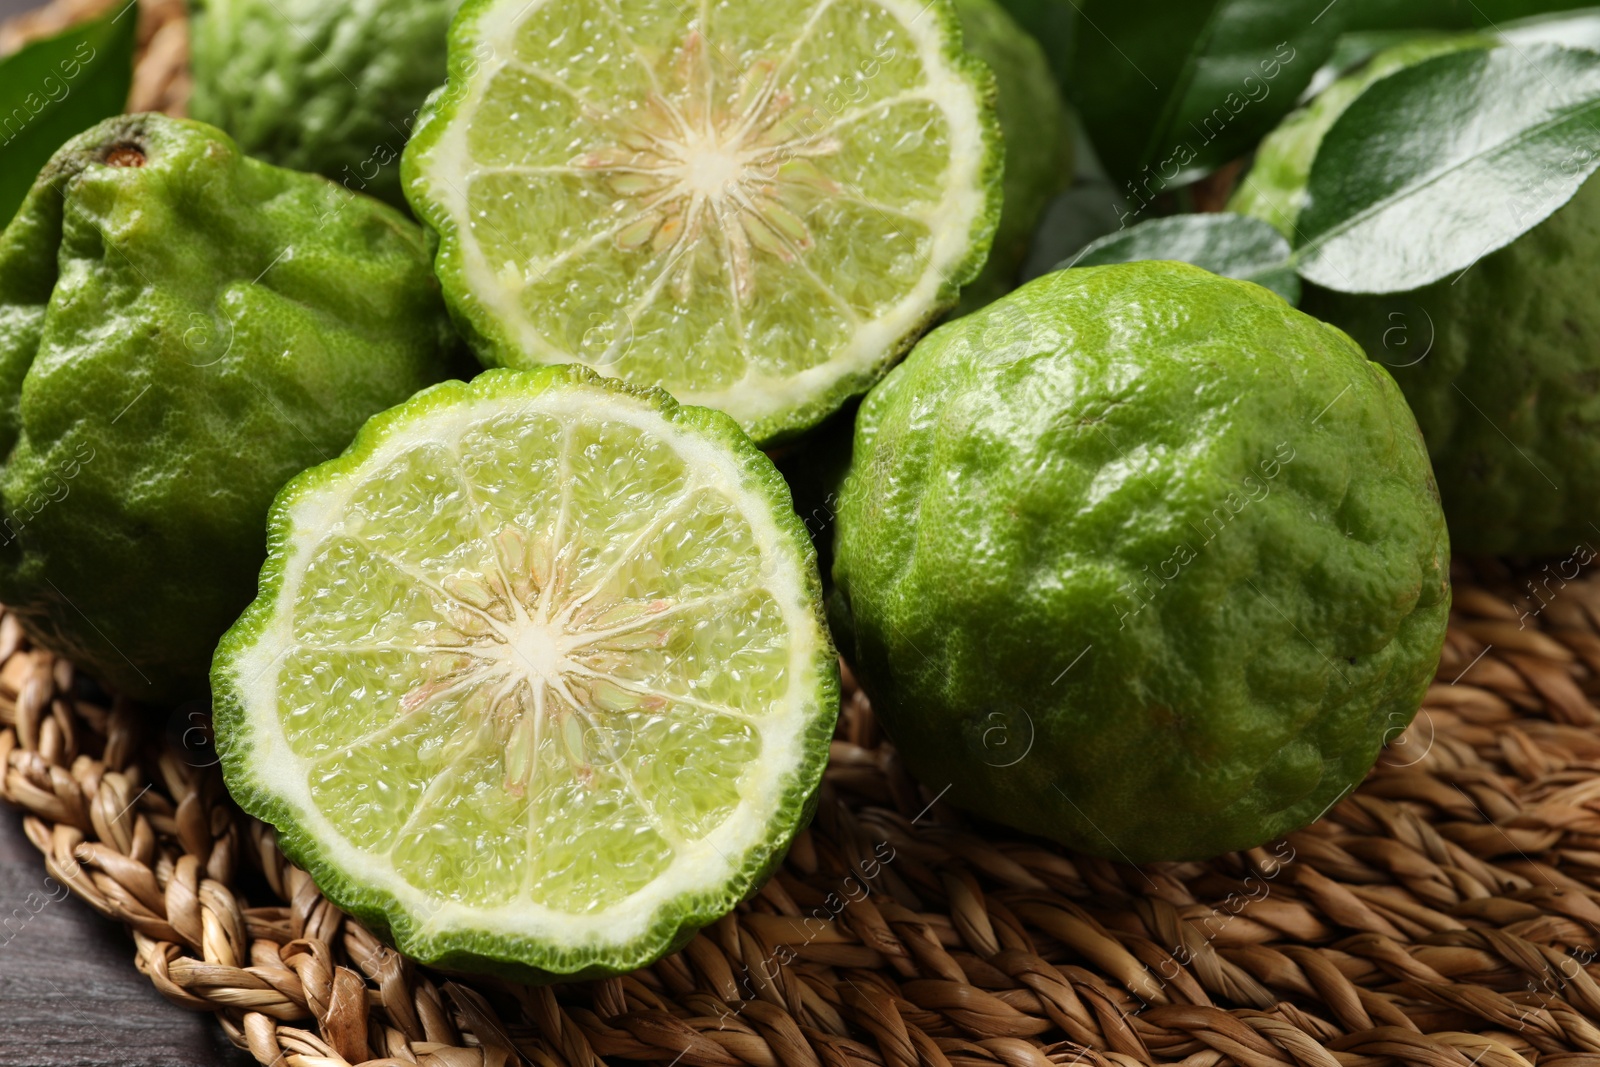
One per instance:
(1141, 559)
(1501, 364)
(1038, 141)
(538, 680)
(182, 329)
(756, 206)
(329, 87)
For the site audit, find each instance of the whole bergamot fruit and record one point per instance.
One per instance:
(1038, 141)
(331, 87)
(1502, 367)
(1141, 559)
(182, 329)
(1500, 363)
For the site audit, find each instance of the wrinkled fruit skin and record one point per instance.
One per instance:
(1502, 367)
(177, 339)
(1038, 141)
(329, 87)
(1141, 559)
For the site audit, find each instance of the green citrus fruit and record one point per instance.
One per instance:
(330, 87)
(1501, 363)
(538, 680)
(756, 206)
(1141, 559)
(1502, 366)
(1038, 141)
(181, 330)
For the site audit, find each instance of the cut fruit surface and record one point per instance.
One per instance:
(537, 678)
(756, 206)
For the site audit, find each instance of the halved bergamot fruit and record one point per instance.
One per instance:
(537, 681)
(755, 204)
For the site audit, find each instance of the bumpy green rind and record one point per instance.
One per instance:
(1502, 367)
(496, 346)
(330, 87)
(1141, 559)
(483, 951)
(1275, 188)
(1038, 141)
(176, 340)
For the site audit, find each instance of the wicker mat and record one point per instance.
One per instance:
(1446, 914)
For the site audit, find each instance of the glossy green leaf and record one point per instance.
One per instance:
(1570, 29)
(1440, 164)
(1446, 14)
(1234, 246)
(1171, 89)
(1355, 50)
(53, 89)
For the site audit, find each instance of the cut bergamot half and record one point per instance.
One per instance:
(537, 681)
(757, 205)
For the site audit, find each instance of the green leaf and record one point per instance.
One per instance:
(1436, 166)
(1446, 14)
(1355, 50)
(1234, 246)
(56, 88)
(1570, 29)
(1171, 89)
(1410, 14)
(1162, 84)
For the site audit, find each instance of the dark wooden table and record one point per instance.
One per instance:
(69, 993)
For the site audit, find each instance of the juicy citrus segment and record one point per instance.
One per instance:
(557, 122)
(372, 787)
(602, 849)
(467, 822)
(735, 651)
(889, 155)
(329, 699)
(824, 66)
(573, 208)
(694, 789)
(540, 660)
(659, 190)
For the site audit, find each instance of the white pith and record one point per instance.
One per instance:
(531, 650)
(717, 183)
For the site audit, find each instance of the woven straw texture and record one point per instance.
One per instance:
(1444, 915)
(1447, 914)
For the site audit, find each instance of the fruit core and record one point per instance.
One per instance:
(726, 170)
(536, 658)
